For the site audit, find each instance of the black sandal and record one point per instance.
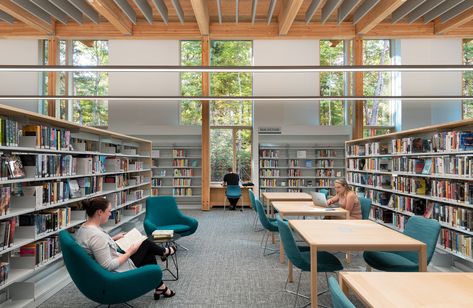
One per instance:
(163, 292)
(171, 251)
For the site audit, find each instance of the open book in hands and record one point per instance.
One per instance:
(131, 237)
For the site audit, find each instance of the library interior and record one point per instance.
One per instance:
(220, 153)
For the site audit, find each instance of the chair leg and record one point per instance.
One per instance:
(368, 268)
(224, 202)
(255, 223)
(262, 238)
(128, 305)
(273, 251)
(241, 210)
(182, 247)
(297, 289)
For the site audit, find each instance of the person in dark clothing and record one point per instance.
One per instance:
(231, 178)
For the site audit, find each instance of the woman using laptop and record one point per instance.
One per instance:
(346, 198)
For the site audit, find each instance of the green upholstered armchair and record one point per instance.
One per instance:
(162, 213)
(101, 285)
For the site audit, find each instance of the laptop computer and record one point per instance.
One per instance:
(319, 199)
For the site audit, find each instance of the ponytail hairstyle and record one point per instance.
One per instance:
(93, 205)
(344, 183)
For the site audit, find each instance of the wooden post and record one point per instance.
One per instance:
(52, 76)
(358, 107)
(205, 127)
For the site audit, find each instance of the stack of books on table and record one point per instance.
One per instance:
(162, 234)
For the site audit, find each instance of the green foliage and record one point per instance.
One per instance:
(332, 84)
(377, 113)
(88, 112)
(191, 83)
(468, 79)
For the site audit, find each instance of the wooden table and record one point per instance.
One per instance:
(304, 208)
(381, 289)
(217, 195)
(353, 235)
(269, 197)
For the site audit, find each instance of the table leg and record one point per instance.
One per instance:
(313, 276)
(281, 253)
(290, 277)
(423, 258)
(342, 283)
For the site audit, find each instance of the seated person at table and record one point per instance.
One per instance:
(231, 178)
(106, 252)
(346, 198)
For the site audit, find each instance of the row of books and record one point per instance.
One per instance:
(9, 132)
(42, 250)
(181, 182)
(275, 172)
(456, 242)
(183, 172)
(269, 153)
(380, 181)
(157, 182)
(327, 153)
(445, 165)
(184, 163)
(4, 271)
(48, 137)
(182, 191)
(48, 220)
(120, 164)
(7, 232)
(413, 185)
(453, 190)
(388, 217)
(268, 163)
(178, 153)
(117, 198)
(268, 182)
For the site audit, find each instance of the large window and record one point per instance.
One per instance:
(80, 53)
(231, 121)
(332, 53)
(191, 83)
(468, 79)
(378, 114)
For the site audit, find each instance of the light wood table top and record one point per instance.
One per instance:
(270, 197)
(381, 289)
(306, 208)
(352, 235)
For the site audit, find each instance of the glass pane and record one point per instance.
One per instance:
(332, 84)
(231, 53)
(221, 153)
(191, 83)
(468, 79)
(87, 112)
(377, 52)
(243, 153)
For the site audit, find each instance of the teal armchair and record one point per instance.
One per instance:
(253, 205)
(269, 224)
(339, 299)
(162, 213)
(420, 228)
(101, 285)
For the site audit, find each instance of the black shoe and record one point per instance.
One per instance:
(171, 251)
(162, 292)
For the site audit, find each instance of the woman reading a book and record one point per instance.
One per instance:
(107, 253)
(346, 198)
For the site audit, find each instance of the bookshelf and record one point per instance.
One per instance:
(426, 171)
(177, 172)
(47, 167)
(300, 168)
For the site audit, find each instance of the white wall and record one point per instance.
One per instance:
(16, 52)
(430, 52)
(145, 118)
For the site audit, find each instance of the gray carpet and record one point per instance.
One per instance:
(223, 268)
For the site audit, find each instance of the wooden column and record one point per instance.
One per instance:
(52, 76)
(205, 127)
(358, 105)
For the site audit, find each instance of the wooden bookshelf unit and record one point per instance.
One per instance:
(297, 168)
(48, 166)
(426, 171)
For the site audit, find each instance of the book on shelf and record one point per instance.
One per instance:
(4, 270)
(308, 163)
(466, 141)
(5, 198)
(163, 234)
(130, 238)
(418, 165)
(427, 166)
(74, 189)
(15, 167)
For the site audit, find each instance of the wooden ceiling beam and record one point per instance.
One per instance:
(109, 10)
(201, 13)
(26, 17)
(379, 13)
(459, 20)
(288, 15)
